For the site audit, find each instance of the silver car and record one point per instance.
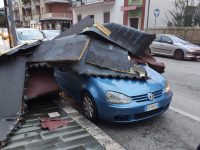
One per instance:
(171, 45)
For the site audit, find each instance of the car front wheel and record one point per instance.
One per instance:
(89, 108)
(179, 55)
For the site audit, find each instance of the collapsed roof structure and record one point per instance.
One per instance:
(26, 71)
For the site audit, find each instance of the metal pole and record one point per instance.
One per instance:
(11, 23)
(155, 25)
(148, 15)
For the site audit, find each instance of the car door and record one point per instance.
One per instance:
(167, 46)
(156, 45)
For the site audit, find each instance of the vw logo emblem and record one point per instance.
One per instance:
(151, 96)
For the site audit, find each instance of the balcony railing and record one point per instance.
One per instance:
(36, 17)
(27, 18)
(16, 18)
(36, 2)
(27, 5)
(55, 1)
(89, 2)
(57, 16)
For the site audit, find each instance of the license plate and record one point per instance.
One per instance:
(151, 107)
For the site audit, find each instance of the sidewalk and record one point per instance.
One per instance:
(74, 136)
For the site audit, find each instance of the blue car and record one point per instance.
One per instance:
(117, 100)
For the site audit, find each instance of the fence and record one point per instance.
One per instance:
(191, 34)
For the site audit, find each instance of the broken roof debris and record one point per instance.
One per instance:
(98, 50)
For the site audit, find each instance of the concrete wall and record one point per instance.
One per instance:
(190, 34)
(164, 6)
(116, 15)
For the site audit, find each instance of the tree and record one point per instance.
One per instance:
(185, 14)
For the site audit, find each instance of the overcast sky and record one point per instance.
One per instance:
(1, 3)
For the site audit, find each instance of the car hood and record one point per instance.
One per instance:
(132, 87)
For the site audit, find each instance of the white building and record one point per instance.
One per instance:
(102, 11)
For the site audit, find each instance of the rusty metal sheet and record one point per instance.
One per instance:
(77, 28)
(151, 61)
(12, 76)
(70, 48)
(40, 82)
(132, 40)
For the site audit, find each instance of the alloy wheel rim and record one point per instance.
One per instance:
(88, 107)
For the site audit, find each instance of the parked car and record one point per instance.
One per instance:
(117, 100)
(50, 34)
(4, 33)
(171, 45)
(25, 35)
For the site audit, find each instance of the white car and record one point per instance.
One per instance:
(171, 45)
(27, 35)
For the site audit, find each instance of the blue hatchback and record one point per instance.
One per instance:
(117, 100)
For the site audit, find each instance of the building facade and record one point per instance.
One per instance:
(43, 14)
(127, 12)
(102, 11)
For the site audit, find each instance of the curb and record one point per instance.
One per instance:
(103, 138)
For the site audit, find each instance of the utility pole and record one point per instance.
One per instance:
(11, 24)
(148, 15)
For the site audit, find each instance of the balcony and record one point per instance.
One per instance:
(27, 5)
(61, 16)
(36, 17)
(16, 18)
(55, 1)
(27, 18)
(133, 5)
(78, 3)
(36, 3)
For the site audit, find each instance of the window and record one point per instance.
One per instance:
(106, 16)
(166, 39)
(79, 17)
(92, 17)
(158, 39)
(134, 22)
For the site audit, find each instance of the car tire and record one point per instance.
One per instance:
(89, 107)
(179, 55)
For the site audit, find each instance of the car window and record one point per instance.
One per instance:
(26, 35)
(166, 39)
(158, 39)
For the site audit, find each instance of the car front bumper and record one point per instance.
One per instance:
(192, 55)
(134, 111)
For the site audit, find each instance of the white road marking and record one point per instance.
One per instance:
(185, 114)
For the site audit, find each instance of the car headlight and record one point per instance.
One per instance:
(167, 87)
(117, 98)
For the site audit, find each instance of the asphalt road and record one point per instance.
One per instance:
(179, 127)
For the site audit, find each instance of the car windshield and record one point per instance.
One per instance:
(51, 33)
(26, 35)
(179, 40)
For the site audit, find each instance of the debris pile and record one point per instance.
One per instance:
(26, 71)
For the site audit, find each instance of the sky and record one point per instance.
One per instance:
(1, 3)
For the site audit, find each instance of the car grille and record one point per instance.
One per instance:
(142, 98)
